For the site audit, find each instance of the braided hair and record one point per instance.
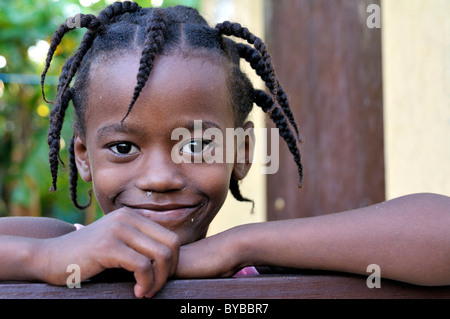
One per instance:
(156, 31)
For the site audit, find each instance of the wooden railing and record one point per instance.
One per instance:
(293, 286)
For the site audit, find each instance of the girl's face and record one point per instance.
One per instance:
(130, 164)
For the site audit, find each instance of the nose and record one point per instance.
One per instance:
(158, 173)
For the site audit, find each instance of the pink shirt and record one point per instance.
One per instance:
(246, 272)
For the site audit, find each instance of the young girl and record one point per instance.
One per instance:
(158, 209)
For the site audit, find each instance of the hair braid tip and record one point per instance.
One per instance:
(82, 207)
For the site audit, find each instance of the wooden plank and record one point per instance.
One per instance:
(329, 62)
(299, 286)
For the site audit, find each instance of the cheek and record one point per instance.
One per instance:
(216, 179)
(213, 181)
(107, 184)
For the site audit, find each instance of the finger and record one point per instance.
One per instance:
(155, 230)
(152, 230)
(129, 249)
(169, 243)
(163, 260)
(150, 275)
(122, 256)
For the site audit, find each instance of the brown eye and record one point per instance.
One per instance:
(195, 146)
(124, 148)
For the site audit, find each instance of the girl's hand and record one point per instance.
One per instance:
(120, 239)
(221, 255)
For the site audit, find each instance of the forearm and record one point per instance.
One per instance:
(408, 238)
(21, 240)
(19, 258)
(34, 227)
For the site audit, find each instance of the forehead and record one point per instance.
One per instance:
(180, 86)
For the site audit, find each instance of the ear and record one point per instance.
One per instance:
(244, 152)
(82, 158)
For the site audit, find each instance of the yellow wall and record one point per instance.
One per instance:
(416, 80)
(251, 15)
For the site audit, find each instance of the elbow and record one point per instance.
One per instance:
(433, 200)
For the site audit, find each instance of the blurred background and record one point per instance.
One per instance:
(329, 61)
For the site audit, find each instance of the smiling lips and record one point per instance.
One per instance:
(167, 215)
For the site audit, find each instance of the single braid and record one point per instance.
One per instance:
(234, 189)
(85, 21)
(280, 122)
(54, 133)
(253, 57)
(235, 29)
(263, 100)
(153, 45)
(56, 40)
(73, 178)
(63, 76)
(85, 45)
(116, 9)
(53, 136)
(62, 81)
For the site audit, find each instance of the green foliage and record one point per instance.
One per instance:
(24, 174)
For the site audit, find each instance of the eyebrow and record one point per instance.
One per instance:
(205, 125)
(127, 129)
(115, 128)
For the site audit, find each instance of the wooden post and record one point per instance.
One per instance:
(329, 62)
